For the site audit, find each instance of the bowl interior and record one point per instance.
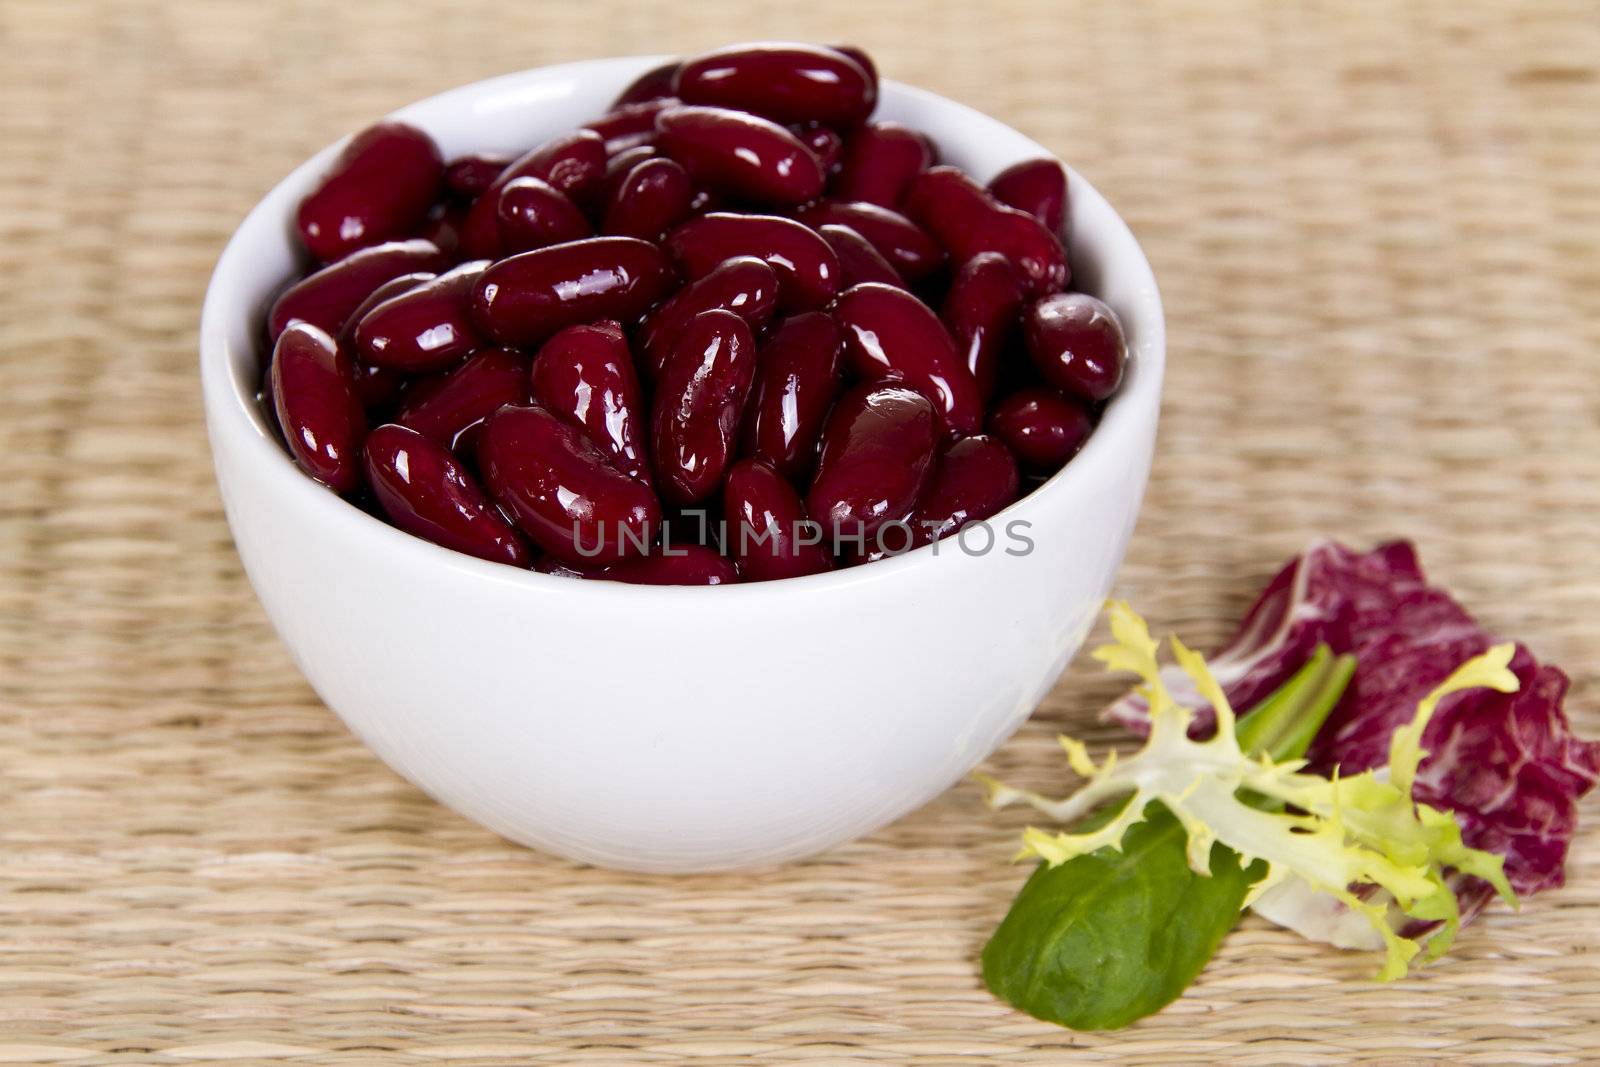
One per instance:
(515, 111)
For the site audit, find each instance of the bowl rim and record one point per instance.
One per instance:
(230, 409)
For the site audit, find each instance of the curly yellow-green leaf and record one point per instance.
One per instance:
(1361, 830)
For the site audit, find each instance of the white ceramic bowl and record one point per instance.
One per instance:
(674, 729)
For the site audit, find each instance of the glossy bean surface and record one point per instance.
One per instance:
(425, 490)
(808, 270)
(744, 285)
(561, 490)
(797, 378)
(966, 220)
(632, 125)
(380, 188)
(1036, 186)
(982, 309)
(677, 565)
(327, 297)
(1042, 429)
(650, 200)
(876, 455)
(449, 409)
(730, 294)
(878, 162)
(783, 82)
(698, 405)
(888, 333)
(619, 164)
(858, 260)
(573, 164)
(767, 528)
(467, 177)
(824, 142)
(907, 246)
(426, 328)
(443, 228)
(741, 155)
(319, 411)
(523, 300)
(585, 375)
(1077, 343)
(653, 84)
(862, 60)
(532, 214)
(379, 387)
(973, 478)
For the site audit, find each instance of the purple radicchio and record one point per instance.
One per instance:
(1506, 764)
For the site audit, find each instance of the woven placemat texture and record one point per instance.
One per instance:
(1376, 228)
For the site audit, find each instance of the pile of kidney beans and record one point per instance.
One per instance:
(731, 330)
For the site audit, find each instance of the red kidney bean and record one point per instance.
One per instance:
(681, 565)
(878, 162)
(585, 375)
(573, 164)
(966, 221)
(797, 375)
(862, 60)
(858, 260)
(427, 328)
(698, 404)
(620, 165)
(744, 285)
(906, 246)
(891, 334)
(380, 187)
(470, 176)
(379, 387)
(1077, 343)
(319, 411)
(982, 309)
(973, 479)
(443, 228)
(523, 300)
(782, 82)
(1041, 428)
(652, 198)
(631, 126)
(532, 214)
(704, 201)
(808, 271)
(393, 287)
(1036, 186)
(653, 84)
(767, 528)
(326, 298)
(742, 155)
(450, 409)
(824, 143)
(876, 454)
(561, 490)
(426, 492)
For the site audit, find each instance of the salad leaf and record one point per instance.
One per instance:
(1111, 936)
(1506, 765)
(1341, 832)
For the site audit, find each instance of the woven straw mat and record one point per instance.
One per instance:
(1375, 227)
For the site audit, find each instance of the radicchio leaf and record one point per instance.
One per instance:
(1507, 765)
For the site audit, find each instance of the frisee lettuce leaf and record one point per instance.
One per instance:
(1363, 830)
(1109, 937)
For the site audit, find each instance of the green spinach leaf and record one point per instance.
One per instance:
(1107, 938)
